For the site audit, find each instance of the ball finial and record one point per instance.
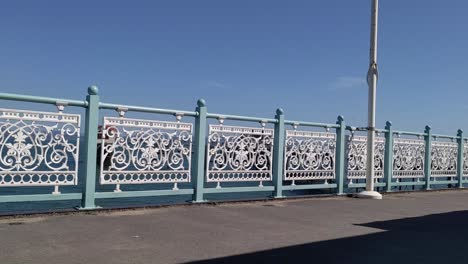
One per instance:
(93, 90)
(201, 102)
(340, 118)
(279, 111)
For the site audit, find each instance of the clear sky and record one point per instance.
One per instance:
(246, 57)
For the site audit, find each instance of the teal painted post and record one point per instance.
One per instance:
(278, 154)
(90, 151)
(340, 154)
(460, 158)
(388, 157)
(199, 151)
(427, 157)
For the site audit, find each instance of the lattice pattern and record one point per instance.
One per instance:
(408, 158)
(136, 151)
(309, 155)
(357, 157)
(444, 159)
(239, 154)
(38, 148)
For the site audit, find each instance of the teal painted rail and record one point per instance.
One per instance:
(200, 157)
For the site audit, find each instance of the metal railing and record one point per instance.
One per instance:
(201, 153)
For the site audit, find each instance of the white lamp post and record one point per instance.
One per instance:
(372, 82)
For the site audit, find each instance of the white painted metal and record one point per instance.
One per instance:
(444, 159)
(465, 159)
(309, 155)
(408, 158)
(38, 148)
(136, 151)
(357, 157)
(239, 154)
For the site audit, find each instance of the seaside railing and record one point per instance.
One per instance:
(200, 153)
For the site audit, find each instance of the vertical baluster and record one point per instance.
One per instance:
(278, 153)
(340, 154)
(199, 151)
(90, 151)
(427, 157)
(460, 158)
(388, 156)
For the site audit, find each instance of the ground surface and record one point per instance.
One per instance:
(429, 227)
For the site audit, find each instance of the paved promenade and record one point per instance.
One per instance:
(429, 227)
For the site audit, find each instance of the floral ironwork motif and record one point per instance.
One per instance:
(239, 154)
(309, 155)
(357, 156)
(38, 148)
(135, 151)
(444, 159)
(408, 158)
(465, 159)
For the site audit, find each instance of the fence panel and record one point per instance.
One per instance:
(408, 158)
(309, 155)
(136, 151)
(38, 148)
(444, 159)
(357, 157)
(239, 154)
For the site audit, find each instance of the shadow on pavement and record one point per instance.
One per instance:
(437, 238)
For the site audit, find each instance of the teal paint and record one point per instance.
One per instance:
(427, 157)
(340, 154)
(388, 156)
(460, 158)
(125, 194)
(39, 197)
(309, 186)
(278, 153)
(90, 151)
(240, 189)
(199, 151)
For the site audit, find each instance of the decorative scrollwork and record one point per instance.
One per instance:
(239, 154)
(408, 158)
(357, 157)
(135, 151)
(465, 159)
(38, 148)
(444, 159)
(309, 155)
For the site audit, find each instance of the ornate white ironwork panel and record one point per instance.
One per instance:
(357, 156)
(408, 158)
(309, 155)
(136, 151)
(444, 159)
(38, 148)
(239, 154)
(465, 159)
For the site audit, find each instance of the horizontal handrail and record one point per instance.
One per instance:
(409, 133)
(241, 118)
(445, 136)
(43, 100)
(378, 130)
(312, 124)
(146, 109)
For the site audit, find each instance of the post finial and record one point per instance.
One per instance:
(201, 102)
(459, 132)
(93, 90)
(427, 128)
(279, 111)
(340, 118)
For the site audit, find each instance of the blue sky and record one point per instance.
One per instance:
(246, 57)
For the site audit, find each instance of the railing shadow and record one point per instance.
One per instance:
(437, 238)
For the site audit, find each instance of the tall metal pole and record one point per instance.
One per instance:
(372, 83)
